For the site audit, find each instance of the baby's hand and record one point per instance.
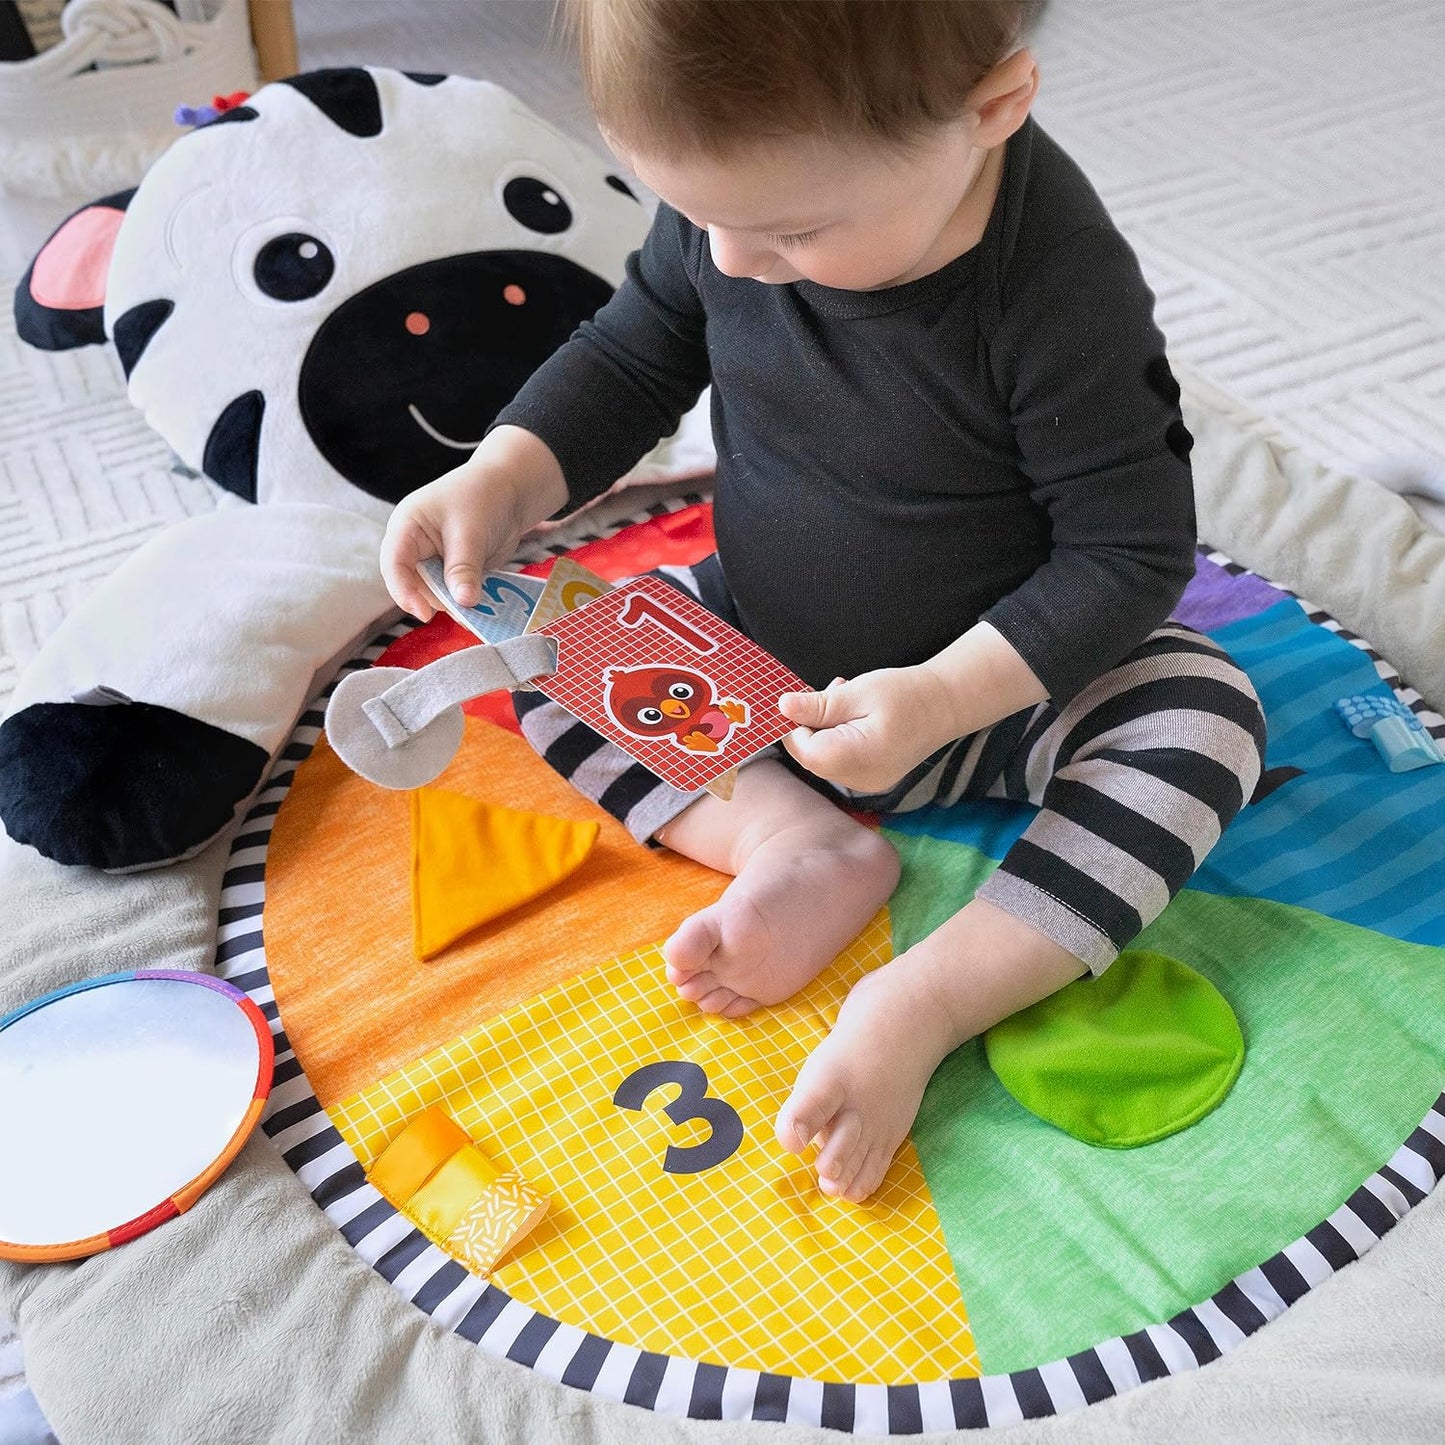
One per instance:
(867, 733)
(471, 517)
(448, 518)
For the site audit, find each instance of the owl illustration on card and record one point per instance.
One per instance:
(672, 702)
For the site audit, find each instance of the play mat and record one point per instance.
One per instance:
(684, 1263)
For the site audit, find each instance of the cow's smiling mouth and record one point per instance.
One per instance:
(435, 435)
(401, 377)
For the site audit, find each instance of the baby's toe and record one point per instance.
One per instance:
(869, 1176)
(740, 1007)
(843, 1151)
(697, 986)
(691, 948)
(717, 1000)
(813, 1102)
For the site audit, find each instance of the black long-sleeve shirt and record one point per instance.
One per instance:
(998, 440)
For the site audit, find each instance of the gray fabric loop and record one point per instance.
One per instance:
(404, 709)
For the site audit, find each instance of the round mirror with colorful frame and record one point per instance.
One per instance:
(121, 1101)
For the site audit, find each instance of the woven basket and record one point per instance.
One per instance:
(89, 115)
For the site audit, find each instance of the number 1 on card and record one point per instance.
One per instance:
(641, 609)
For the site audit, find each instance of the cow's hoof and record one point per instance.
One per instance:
(126, 786)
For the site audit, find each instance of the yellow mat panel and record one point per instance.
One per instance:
(741, 1262)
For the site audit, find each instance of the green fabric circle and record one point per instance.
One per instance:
(1141, 1052)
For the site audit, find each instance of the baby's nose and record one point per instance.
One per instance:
(734, 255)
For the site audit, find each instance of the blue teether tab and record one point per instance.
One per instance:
(1405, 745)
(1362, 710)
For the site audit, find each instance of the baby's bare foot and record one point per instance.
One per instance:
(859, 1091)
(802, 896)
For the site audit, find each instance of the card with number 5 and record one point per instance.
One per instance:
(675, 687)
(505, 606)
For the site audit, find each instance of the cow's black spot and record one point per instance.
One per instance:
(235, 116)
(234, 446)
(347, 96)
(133, 331)
(120, 787)
(404, 378)
(294, 267)
(1179, 439)
(423, 77)
(1162, 381)
(618, 184)
(536, 205)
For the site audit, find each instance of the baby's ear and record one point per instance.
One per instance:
(60, 301)
(1004, 95)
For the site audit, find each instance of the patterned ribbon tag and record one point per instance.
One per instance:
(464, 1203)
(570, 585)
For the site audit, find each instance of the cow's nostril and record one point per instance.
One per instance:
(513, 295)
(418, 323)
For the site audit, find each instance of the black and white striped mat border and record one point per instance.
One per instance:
(509, 1329)
(1432, 722)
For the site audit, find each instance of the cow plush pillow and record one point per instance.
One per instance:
(327, 293)
(320, 299)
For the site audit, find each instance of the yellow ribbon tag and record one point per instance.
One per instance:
(434, 1174)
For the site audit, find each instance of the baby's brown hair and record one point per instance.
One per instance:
(680, 77)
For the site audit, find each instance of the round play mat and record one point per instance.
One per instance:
(493, 1095)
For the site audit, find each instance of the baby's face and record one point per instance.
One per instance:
(854, 217)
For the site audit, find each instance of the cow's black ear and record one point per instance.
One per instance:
(348, 96)
(60, 301)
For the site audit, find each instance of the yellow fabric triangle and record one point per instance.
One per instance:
(472, 862)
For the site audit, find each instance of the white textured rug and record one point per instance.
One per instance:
(83, 482)
(1278, 166)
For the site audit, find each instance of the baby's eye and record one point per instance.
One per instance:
(798, 238)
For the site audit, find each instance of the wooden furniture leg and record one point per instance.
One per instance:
(273, 30)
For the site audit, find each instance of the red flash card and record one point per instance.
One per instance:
(673, 686)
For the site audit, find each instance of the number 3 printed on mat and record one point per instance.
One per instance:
(692, 1103)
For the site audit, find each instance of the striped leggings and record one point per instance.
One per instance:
(1135, 779)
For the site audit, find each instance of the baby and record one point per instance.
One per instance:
(953, 493)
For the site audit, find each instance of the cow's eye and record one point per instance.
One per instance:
(679, 690)
(536, 205)
(294, 267)
(649, 715)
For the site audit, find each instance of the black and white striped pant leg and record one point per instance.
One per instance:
(1135, 778)
(600, 770)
